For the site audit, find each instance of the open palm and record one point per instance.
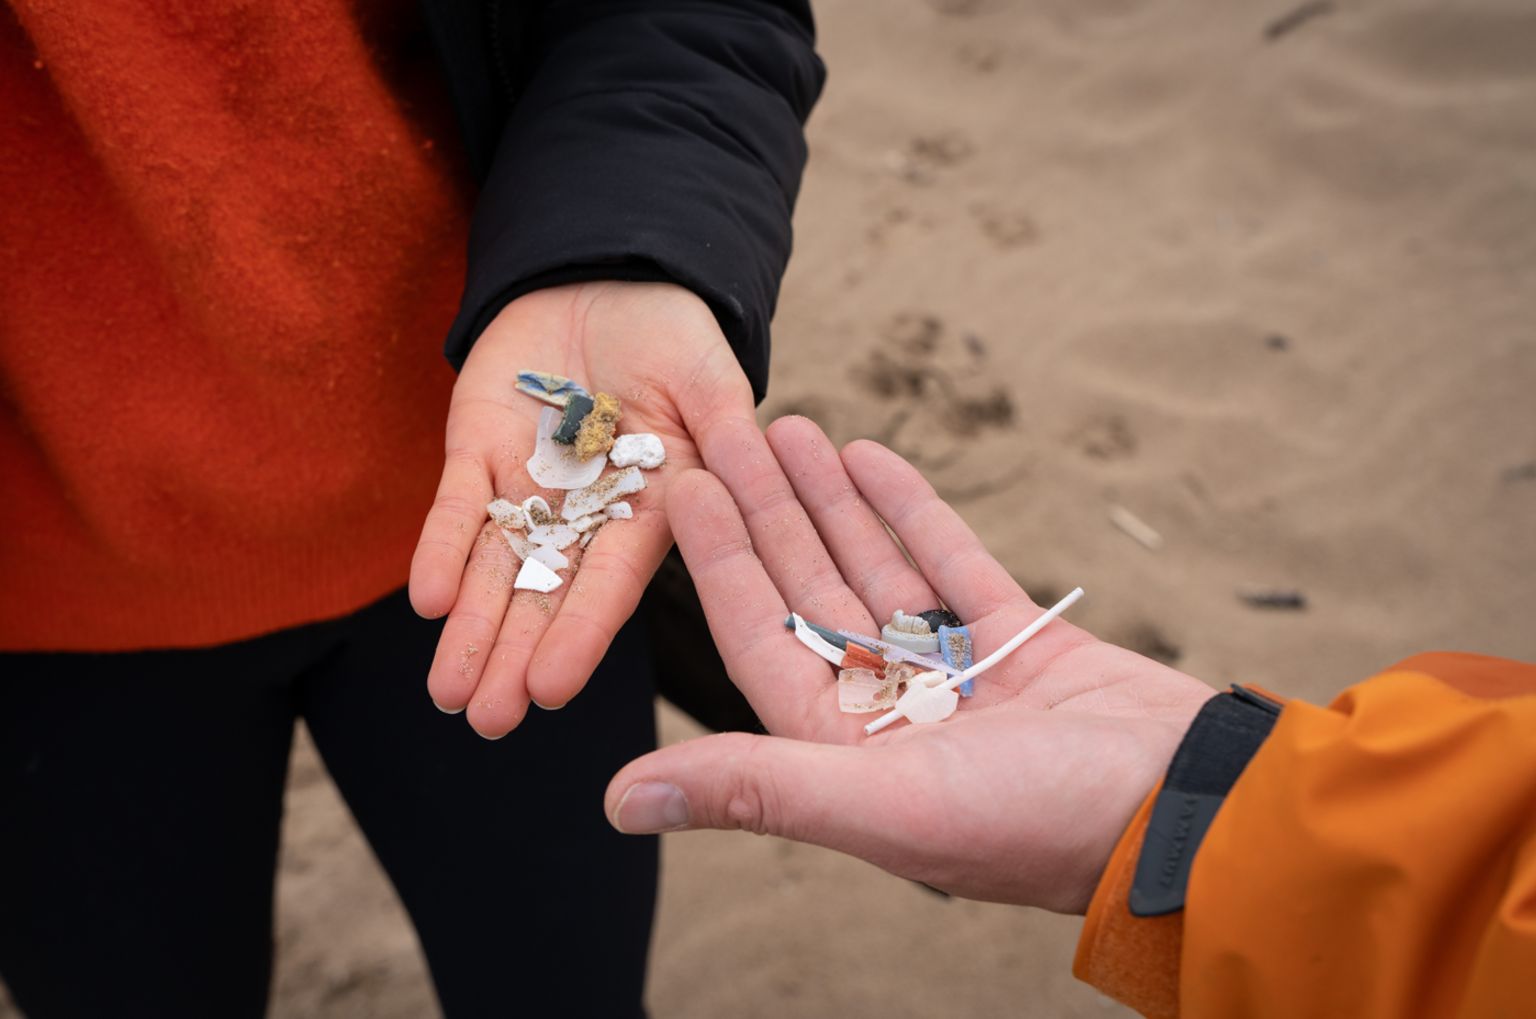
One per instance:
(657, 348)
(1018, 797)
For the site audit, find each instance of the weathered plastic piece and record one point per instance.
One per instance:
(576, 408)
(600, 493)
(535, 576)
(955, 645)
(555, 466)
(552, 389)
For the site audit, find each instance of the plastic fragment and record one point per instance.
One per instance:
(552, 389)
(555, 466)
(555, 535)
(955, 645)
(837, 640)
(576, 408)
(640, 449)
(535, 576)
(596, 433)
(507, 513)
(816, 643)
(986, 663)
(927, 699)
(550, 556)
(586, 537)
(860, 691)
(584, 524)
(618, 511)
(893, 653)
(856, 657)
(521, 546)
(602, 492)
(911, 633)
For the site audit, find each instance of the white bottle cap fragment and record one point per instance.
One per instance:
(639, 449)
(535, 576)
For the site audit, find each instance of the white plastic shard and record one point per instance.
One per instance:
(982, 666)
(521, 546)
(927, 700)
(619, 511)
(507, 514)
(584, 524)
(640, 449)
(817, 643)
(600, 493)
(552, 389)
(554, 465)
(550, 556)
(535, 576)
(554, 535)
(587, 537)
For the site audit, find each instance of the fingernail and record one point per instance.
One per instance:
(650, 807)
(447, 711)
(548, 707)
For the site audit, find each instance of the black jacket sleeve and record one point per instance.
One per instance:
(642, 140)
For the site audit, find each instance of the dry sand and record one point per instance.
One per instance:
(1276, 296)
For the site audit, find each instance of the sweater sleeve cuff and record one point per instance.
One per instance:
(1133, 959)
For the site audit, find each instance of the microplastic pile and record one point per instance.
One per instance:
(917, 669)
(577, 439)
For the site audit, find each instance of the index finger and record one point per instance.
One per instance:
(452, 525)
(788, 685)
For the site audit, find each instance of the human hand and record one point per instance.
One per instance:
(655, 346)
(1018, 797)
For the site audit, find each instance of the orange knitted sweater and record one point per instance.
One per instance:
(230, 244)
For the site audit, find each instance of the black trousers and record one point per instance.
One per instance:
(141, 797)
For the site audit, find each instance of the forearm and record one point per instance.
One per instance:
(651, 142)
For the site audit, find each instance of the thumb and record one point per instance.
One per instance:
(810, 792)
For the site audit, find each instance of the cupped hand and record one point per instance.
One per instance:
(1018, 797)
(657, 348)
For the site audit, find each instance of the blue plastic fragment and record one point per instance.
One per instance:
(554, 389)
(960, 660)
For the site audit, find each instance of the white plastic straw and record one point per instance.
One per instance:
(992, 659)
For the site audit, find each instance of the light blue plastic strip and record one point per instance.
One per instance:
(964, 659)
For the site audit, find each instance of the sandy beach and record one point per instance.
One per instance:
(1265, 279)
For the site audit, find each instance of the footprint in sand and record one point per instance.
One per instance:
(1006, 228)
(1107, 437)
(934, 391)
(926, 156)
(1148, 640)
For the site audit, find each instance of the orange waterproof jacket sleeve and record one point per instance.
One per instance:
(1376, 858)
